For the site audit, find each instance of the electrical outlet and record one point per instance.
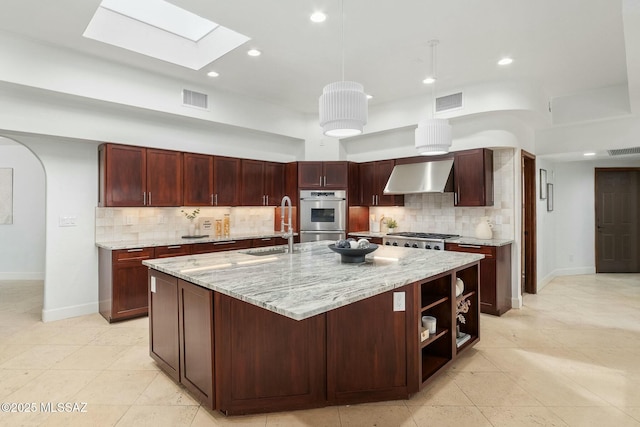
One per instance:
(398, 301)
(68, 221)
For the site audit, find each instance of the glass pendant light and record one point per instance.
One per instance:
(433, 136)
(343, 104)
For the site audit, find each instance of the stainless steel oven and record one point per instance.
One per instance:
(323, 215)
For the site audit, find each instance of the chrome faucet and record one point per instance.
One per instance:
(289, 233)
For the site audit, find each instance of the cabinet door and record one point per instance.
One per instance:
(274, 184)
(367, 183)
(130, 283)
(164, 178)
(226, 181)
(196, 341)
(336, 175)
(367, 349)
(198, 180)
(310, 174)
(253, 183)
(123, 177)
(163, 324)
(382, 173)
(473, 176)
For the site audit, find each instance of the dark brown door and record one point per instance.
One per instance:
(528, 254)
(617, 220)
(336, 175)
(226, 181)
(198, 180)
(310, 174)
(130, 283)
(124, 175)
(164, 178)
(383, 172)
(163, 328)
(473, 176)
(274, 174)
(253, 183)
(367, 183)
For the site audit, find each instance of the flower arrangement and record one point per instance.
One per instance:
(391, 223)
(191, 216)
(461, 309)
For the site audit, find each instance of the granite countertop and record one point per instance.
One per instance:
(310, 281)
(462, 240)
(147, 243)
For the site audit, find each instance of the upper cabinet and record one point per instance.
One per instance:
(473, 177)
(226, 181)
(262, 183)
(373, 178)
(198, 180)
(331, 175)
(137, 176)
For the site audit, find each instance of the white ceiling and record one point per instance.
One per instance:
(566, 46)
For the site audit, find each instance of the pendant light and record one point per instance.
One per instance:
(343, 104)
(433, 136)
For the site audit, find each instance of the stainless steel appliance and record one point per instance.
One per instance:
(433, 241)
(323, 215)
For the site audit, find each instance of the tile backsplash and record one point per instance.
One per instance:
(125, 224)
(435, 212)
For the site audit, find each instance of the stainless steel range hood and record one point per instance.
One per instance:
(426, 177)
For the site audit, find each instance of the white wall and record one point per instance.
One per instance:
(566, 236)
(22, 253)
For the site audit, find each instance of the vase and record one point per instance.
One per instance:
(457, 331)
(483, 229)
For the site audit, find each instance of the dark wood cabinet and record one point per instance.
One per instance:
(123, 283)
(172, 250)
(373, 179)
(367, 349)
(181, 333)
(137, 176)
(495, 276)
(226, 245)
(198, 180)
(265, 361)
(473, 177)
(262, 183)
(195, 319)
(333, 175)
(226, 181)
(163, 325)
(122, 175)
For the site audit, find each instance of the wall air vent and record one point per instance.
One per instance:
(449, 102)
(195, 99)
(623, 151)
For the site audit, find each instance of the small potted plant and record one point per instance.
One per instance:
(391, 224)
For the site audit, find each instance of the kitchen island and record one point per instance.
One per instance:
(260, 330)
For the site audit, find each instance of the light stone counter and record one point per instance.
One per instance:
(310, 281)
(135, 244)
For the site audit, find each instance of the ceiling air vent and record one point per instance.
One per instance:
(449, 102)
(623, 151)
(195, 99)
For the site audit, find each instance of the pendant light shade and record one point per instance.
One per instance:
(433, 136)
(343, 104)
(343, 109)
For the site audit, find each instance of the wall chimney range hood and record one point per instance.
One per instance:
(424, 177)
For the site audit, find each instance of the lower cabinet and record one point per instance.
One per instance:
(181, 333)
(495, 276)
(227, 245)
(122, 283)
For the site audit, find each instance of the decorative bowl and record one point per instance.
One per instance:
(353, 256)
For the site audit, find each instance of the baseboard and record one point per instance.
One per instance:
(67, 312)
(564, 272)
(22, 276)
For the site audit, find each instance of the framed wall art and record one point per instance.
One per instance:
(543, 184)
(549, 197)
(6, 195)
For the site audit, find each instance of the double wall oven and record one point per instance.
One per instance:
(323, 215)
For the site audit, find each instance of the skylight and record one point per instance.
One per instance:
(161, 30)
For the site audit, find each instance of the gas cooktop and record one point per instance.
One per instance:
(416, 235)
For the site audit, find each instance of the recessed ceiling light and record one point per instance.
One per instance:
(318, 17)
(212, 74)
(590, 154)
(253, 52)
(369, 96)
(429, 81)
(505, 61)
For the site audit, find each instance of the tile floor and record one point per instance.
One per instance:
(570, 357)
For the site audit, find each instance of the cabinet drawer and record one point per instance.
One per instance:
(487, 251)
(133, 254)
(268, 241)
(172, 250)
(228, 245)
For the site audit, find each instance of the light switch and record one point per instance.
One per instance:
(398, 301)
(68, 221)
(152, 285)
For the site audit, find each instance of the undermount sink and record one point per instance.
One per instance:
(269, 251)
